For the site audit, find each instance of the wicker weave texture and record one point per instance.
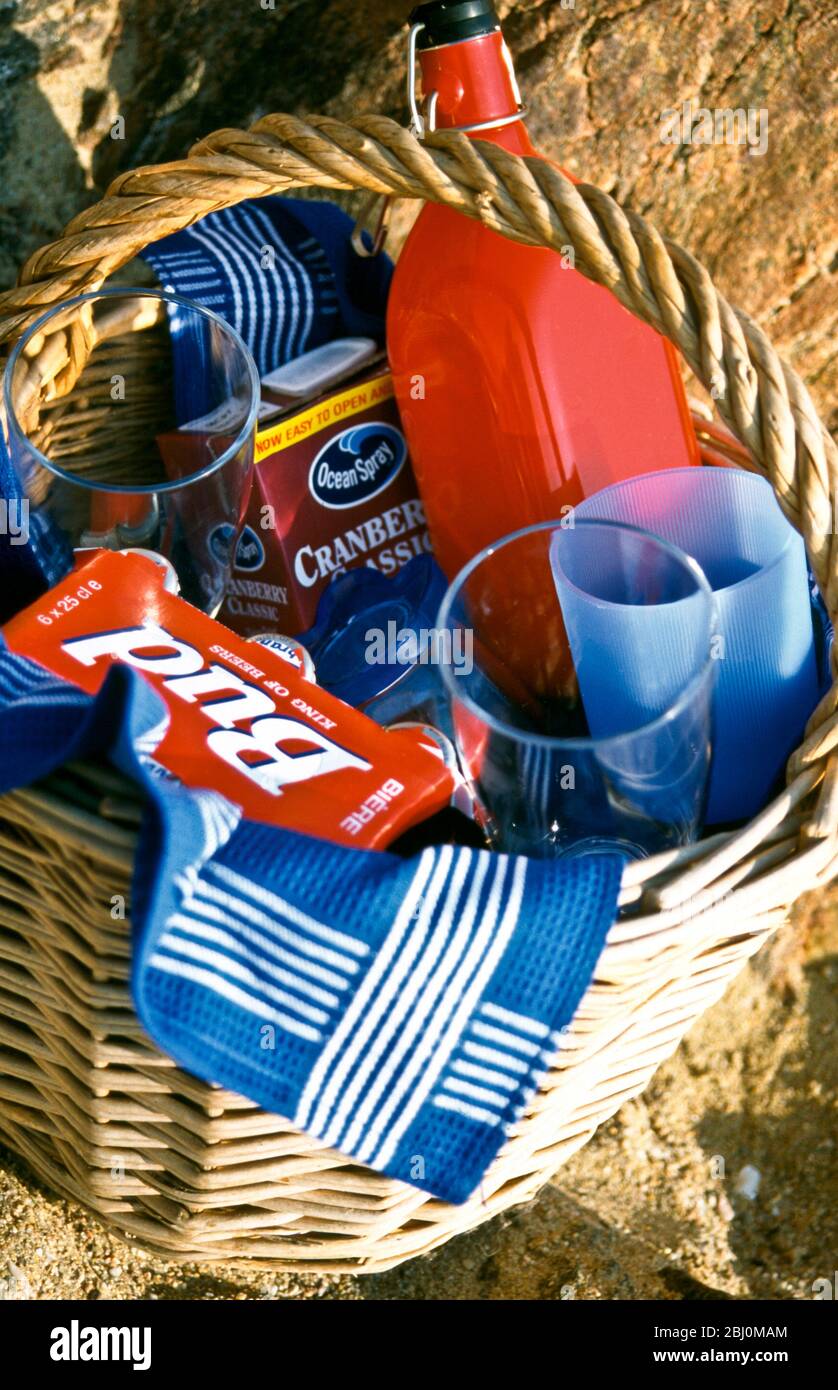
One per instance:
(195, 1172)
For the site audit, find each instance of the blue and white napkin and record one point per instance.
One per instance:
(403, 1011)
(282, 272)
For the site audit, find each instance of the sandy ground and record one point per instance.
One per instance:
(656, 1206)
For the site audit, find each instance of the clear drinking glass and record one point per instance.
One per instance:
(584, 718)
(152, 446)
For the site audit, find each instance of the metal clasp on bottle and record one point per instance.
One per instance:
(422, 124)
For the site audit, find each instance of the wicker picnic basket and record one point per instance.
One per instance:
(195, 1172)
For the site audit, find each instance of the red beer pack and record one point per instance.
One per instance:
(243, 722)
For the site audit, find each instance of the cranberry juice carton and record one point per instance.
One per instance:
(243, 721)
(333, 490)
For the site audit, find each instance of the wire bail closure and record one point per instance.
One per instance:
(417, 120)
(425, 124)
(422, 123)
(418, 127)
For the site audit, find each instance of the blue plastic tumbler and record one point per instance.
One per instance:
(583, 720)
(767, 684)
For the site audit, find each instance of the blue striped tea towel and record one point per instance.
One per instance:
(282, 272)
(403, 1011)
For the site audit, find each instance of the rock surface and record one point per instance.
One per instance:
(653, 1207)
(89, 89)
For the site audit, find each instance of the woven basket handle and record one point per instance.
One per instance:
(760, 398)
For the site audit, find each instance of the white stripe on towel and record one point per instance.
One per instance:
(513, 1020)
(207, 915)
(273, 903)
(480, 963)
(181, 922)
(229, 224)
(302, 318)
(333, 1055)
(400, 965)
(225, 966)
(484, 1074)
(215, 903)
(471, 1112)
(219, 244)
(504, 1038)
(412, 1003)
(216, 985)
(498, 1059)
(465, 1088)
(429, 1003)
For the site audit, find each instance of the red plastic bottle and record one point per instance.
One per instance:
(522, 386)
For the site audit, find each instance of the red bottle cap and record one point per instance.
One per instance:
(289, 650)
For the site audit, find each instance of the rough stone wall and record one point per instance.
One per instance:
(597, 75)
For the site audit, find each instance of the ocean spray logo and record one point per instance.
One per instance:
(250, 552)
(358, 464)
